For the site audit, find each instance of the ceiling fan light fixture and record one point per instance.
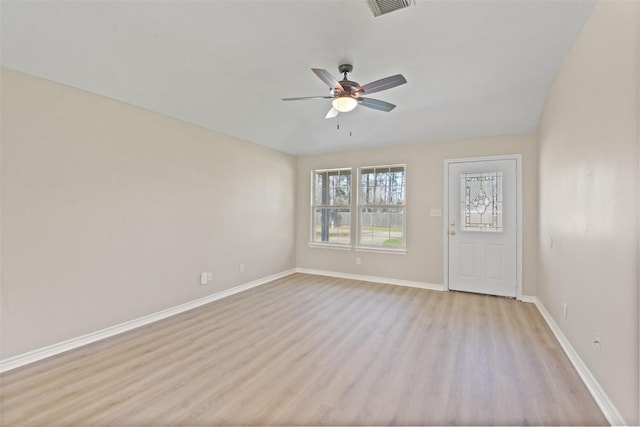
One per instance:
(344, 103)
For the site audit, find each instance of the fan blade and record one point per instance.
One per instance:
(383, 84)
(376, 104)
(326, 77)
(332, 113)
(307, 97)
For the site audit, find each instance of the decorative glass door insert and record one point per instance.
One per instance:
(481, 201)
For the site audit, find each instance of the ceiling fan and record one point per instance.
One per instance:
(347, 94)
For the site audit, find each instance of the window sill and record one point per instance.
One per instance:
(330, 246)
(381, 250)
(371, 249)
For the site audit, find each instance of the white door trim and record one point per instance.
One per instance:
(445, 216)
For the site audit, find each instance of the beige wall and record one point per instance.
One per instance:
(423, 261)
(589, 139)
(110, 212)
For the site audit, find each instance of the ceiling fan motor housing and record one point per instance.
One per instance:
(349, 86)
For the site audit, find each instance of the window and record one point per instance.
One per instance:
(331, 207)
(381, 207)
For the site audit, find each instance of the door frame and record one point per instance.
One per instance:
(445, 216)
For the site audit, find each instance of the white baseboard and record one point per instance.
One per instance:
(52, 350)
(385, 280)
(606, 406)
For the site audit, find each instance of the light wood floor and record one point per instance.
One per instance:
(309, 350)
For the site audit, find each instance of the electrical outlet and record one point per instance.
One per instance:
(565, 309)
(597, 341)
(241, 268)
(203, 278)
(358, 260)
(209, 276)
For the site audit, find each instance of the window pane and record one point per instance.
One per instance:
(382, 186)
(332, 188)
(397, 187)
(332, 225)
(317, 189)
(382, 227)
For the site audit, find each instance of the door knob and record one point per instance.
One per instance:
(452, 232)
(452, 223)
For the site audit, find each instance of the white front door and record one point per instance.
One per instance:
(482, 227)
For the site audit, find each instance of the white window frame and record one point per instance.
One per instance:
(359, 206)
(314, 206)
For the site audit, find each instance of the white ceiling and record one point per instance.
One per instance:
(474, 68)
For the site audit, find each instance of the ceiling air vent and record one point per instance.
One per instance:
(380, 7)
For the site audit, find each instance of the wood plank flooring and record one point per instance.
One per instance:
(310, 350)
